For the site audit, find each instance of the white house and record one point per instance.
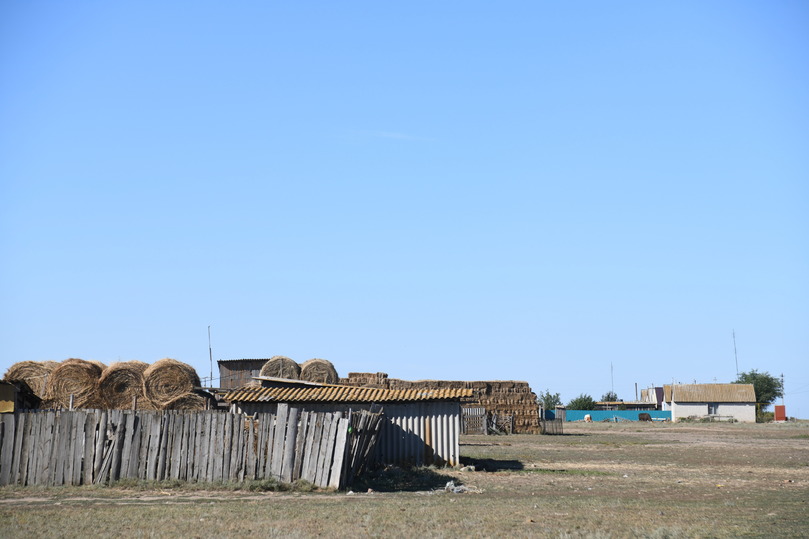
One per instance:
(715, 401)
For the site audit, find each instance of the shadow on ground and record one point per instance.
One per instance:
(492, 465)
(398, 479)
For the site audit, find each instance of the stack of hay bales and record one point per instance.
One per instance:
(167, 384)
(34, 373)
(319, 370)
(76, 378)
(281, 367)
(513, 398)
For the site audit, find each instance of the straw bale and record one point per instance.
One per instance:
(120, 383)
(168, 379)
(73, 377)
(193, 401)
(100, 365)
(281, 367)
(319, 370)
(33, 373)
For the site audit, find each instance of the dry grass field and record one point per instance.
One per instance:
(598, 480)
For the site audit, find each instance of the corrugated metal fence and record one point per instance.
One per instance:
(98, 446)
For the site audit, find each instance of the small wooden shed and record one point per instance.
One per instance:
(15, 395)
(420, 427)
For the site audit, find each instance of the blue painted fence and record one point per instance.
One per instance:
(632, 415)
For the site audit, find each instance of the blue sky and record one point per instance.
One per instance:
(533, 191)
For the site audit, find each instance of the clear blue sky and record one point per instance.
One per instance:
(455, 190)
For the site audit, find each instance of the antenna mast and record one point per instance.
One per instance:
(210, 353)
(734, 354)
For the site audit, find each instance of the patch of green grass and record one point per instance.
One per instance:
(396, 478)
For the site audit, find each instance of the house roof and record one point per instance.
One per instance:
(710, 393)
(335, 393)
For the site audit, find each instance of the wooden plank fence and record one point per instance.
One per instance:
(100, 446)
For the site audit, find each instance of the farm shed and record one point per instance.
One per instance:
(419, 427)
(235, 373)
(16, 395)
(714, 401)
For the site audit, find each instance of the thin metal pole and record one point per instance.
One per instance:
(210, 354)
(734, 354)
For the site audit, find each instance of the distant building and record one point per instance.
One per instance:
(720, 402)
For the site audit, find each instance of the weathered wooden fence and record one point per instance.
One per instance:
(98, 446)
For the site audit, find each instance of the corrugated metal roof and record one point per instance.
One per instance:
(342, 394)
(236, 360)
(710, 393)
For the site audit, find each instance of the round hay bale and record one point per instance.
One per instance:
(120, 383)
(319, 370)
(194, 401)
(253, 383)
(33, 373)
(168, 379)
(73, 377)
(281, 367)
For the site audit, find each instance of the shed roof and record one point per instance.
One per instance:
(710, 393)
(335, 393)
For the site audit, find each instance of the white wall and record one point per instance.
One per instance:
(741, 411)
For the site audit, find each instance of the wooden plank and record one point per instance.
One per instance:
(266, 430)
(278, 440)
(227, 443)
(335, 476)
(300, 445)
(44, 449)
(321, 450)
(250, 452)
(329, 454)
(134, 448)
(152, 455)
(89, 447)
(17, 455)
(261, 442)
(185, 436)
(70, 445)
(163, 447)
(309, 468)
(176, 444)
(234, 451)
(216, 453)
(210, 458)
(288, 458)
(143, 454)
(196, 465)
(78, 449)
(119, 427)
(62, 443)
(121, 471)
(7, 422)
(100, 442)
(25, 449)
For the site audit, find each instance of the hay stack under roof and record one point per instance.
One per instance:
(33, 373)
(168, 379)
(120, 383)
(194, 401)
(281, 367)
(73, 377)
(319, 370)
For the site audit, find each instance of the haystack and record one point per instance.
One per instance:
(73, 377)
(281, 367)
(194, 401)
(33, 373)
(319, 370)
(120, 383)
(168, 379)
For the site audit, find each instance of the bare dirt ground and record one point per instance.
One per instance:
(597, 480)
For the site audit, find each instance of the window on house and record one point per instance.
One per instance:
(713, 408)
